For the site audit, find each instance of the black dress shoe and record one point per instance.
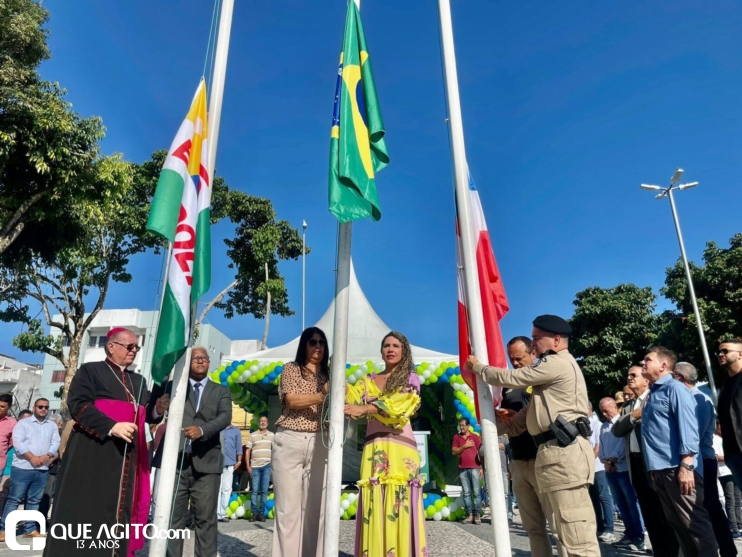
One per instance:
(225, 519)
(261, 518)
(254, 518)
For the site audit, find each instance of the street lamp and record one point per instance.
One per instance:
(303, 269)
(667, 192)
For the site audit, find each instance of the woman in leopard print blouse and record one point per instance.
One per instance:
(299, 456)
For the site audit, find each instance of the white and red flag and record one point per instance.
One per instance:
(494, 300)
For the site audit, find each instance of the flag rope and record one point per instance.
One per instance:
(211, 43)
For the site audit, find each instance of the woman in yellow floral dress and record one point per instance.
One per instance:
(390, 521)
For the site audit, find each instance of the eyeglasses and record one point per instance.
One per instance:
(200, 359)
(314, 343)
(43, 407)
(725, 351)
(129, 347)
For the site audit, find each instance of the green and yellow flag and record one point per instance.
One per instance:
(357, 148)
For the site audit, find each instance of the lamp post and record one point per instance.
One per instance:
(303, 270)
(667, 192)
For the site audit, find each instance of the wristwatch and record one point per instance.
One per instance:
(689, 467)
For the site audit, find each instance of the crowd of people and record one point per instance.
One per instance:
(658, 454)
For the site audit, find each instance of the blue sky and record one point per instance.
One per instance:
(566, 110)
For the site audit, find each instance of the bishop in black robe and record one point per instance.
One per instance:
(96, 481)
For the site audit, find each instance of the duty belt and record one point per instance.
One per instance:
(546, 436)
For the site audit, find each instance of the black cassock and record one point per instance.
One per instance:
(95, 486)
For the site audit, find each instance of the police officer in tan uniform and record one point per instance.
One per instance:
(557, 417)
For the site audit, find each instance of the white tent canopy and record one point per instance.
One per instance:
(365, 332)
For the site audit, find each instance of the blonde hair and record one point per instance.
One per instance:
(401, 376)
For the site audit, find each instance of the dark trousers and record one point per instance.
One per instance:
(733, 500)
(661, 535)
(686, 514)
(203, 492)
(46, 499)
(712, 504)
(600, 495)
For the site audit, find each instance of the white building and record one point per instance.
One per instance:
(141, 323)
(21, 380)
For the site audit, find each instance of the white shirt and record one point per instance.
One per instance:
(634, 445)
(719, 450)
(595, 425)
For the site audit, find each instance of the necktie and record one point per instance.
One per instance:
(196, 399)
(197, 394)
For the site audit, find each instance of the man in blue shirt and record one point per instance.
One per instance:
(232, 448)
(612, 454)
(686, 373)
(671, 445)
(36, 441)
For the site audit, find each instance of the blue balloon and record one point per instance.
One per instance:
(347, 366)
(270, 504)
(223, 376)
(265, 380)
(279, 369)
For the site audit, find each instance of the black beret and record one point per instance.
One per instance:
(553, 324)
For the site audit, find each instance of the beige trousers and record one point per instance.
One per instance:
(299, 462)
(534, 509)
(574, 519)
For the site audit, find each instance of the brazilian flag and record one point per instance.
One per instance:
(357, 148)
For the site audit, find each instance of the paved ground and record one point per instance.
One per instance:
(240, 538)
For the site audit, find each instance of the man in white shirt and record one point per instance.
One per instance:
(629, 426)
(600, 493)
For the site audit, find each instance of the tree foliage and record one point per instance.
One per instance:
(47, 151)
(612, 327)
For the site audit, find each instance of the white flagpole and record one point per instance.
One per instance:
(337, 394)
(471, 284)
(337, 391)
(172, 443)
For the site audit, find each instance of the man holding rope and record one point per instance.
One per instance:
(104, 478)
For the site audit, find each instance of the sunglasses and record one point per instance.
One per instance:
(314, 343)
(129, 347)
(725, 351)
(43, 407)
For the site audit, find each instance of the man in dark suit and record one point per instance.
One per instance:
(208, 411)
(730, 406)
(629, 426)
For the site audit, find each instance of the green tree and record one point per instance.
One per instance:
(612, 328)
(47, 151)
(718, 286)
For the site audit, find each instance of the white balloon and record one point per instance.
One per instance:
(364, 368)
(233, 516)
(345, 505)
(245, 376)
(254, 369)
(426, 373)
(456, 387)
(352, 497)
(437, 517)
(453, 507)
(444, 512)
(240, 512)
(431, 367)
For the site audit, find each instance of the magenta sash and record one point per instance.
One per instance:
(121, 411)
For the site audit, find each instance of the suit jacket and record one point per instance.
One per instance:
(213, 416)
(624, 426)
(736, 412)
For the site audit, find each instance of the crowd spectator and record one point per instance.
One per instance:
(36, 441)
(259, 457)
(51, 480)
(686, 373)
(628, 395)
(466, 447)
(231, 442)
(732, 494)
(671, 451)
(7, 423)
(730, 406)
(600, 493)
(5, 481)
(618, 399)
(629, 426)
(612, 454)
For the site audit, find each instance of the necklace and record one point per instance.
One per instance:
(129, 394)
